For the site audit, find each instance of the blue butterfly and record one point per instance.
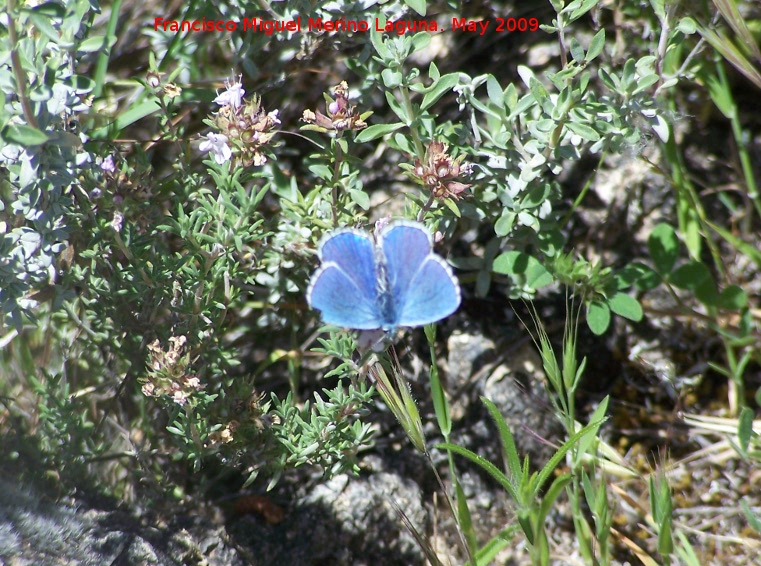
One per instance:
(395, 282)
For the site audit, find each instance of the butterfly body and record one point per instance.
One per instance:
(395, 282)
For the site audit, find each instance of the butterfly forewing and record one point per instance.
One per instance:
(344, 288)
(433, 294)
(404, 246)
(421, 283)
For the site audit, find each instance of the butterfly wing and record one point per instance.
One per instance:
(344, 288)
(422, 286)
(434, 293)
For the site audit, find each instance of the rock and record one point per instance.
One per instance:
(344, 521)
(35, 531)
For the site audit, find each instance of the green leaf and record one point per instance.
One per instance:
(696, 277)
(584, 131)
(403, 143)
(536, 196)
(48, 9)
(686, 552)
(376, 37)
(494, 90)
(750, 251)
(132, 115)
(745, 428)
(433, 72)
(687, 26)
(23, 135)
(511, 97)
(626, 306)
(587, 441)
(399, 109)
(485, 465)
(733, 298)
(44, 25)
(610, 81)
(549, 498)
(94, 44)
(443, 85)
(629, 75)
(452, 205)
(577, 51)
(598, 317)
(637, 273)
(646, 82)
(488, 552)
(80, 83)
(665, 537)
(585, 6)
(392, 78)
(538, 91)
(596, 45)
(376, 131)
(544, 474)
(420, 40)
(440, 402)
(690, 275)
(519, 263)
(664, 248)
(659, 9)
(504, 224)
(322, 171)
(360, 198)
(753, 519)
(732, 54)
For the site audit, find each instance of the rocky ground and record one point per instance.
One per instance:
(664, 414)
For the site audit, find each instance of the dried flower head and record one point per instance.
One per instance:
(340, 114)
(440, 170)
(168, 375)
(223, 436)
(171, 90)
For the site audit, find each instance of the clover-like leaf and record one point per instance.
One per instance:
(664, 248)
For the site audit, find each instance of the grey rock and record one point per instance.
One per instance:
(344, 521)
(39, 532)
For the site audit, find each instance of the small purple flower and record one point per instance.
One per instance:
(233, 96)
(116, 221)
(217, 145)
(108, 165)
